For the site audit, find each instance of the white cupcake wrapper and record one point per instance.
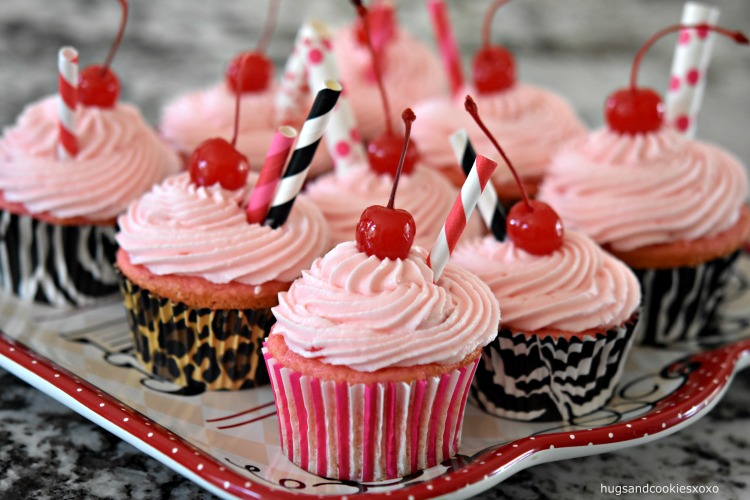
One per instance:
(368, 432)
(536, 378)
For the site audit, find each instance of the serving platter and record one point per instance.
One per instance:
(227, 442)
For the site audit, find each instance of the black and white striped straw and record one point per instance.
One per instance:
(489, 207)
(304, 151)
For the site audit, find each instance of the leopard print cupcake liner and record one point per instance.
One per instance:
(541, 378)
(201, 348)
(56, 264)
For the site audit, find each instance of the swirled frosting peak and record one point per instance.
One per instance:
(411, 72)
(119, 158)
(576, 288)
(183, 229)
(365, 313)
(631, 191)
(531, 123)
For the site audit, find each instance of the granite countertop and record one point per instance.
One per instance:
(171, 46)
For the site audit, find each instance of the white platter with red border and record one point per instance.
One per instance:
(227, 442)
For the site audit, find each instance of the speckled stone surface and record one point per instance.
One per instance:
(580, 48)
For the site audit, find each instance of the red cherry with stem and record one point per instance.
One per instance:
(98, 85)
(383, 152)
(381, 19)
(253, 71)
(531, 225)
(633, 110)
(216, 160)
(493, 67)
(388, 232)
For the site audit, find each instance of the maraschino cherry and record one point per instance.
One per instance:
(531, 225)
(494, 67)
(381, 19)
(388, 232)
(216, 160)
(98, 85)
(383, 151)
(253, 71)
(635, 110)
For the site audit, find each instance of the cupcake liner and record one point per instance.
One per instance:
(680, 304)
(197, 347)
(536, 378)
(368, 432)
(56, 264)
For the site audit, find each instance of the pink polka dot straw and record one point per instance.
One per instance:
(689, 66)
(313, 56)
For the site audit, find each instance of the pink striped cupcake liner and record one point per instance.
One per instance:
(369, 432)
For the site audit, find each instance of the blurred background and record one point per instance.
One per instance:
(580, 48)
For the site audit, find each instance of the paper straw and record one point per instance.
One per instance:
(454, 225)
(489, 207)
(67, 69)
(270, 173)
(293, 85)
(691, 59)
(309, 139)
(447, 44)
(314, 57)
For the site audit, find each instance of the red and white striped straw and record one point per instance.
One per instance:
(67, 69)
(460, 212)
(692, 56)
(313, 55)
(270, 173)
(447, 44)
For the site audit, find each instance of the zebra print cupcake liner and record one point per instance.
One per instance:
(681, 304)
(369, 432)
(541, 378)
(199, 348)
(56, 264)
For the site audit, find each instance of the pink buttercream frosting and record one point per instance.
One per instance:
(411, 72)
(427, 195)
(119, 158)
(530, 123)
(183, 229)
(630, 191)
(576, 288)
(196, 116)
(365, 313)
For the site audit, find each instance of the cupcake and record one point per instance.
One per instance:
(672, 208)
(199, 280)
(533, 122)
(59, 214)
(195, 116)
(569, 312)
(373, 353)
(410, 69)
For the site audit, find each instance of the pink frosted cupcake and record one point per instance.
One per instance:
(531, 121)
(196, 116)
(372, 354)
(411, 71)
(673, 209)
(59, 215)
(199, 280)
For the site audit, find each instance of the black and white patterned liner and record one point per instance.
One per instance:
(56, 264)
(680, 304)
(541, 378)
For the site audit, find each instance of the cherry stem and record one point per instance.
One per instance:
(408, 116)
(471, 108)
(487, 24)
(737, 36)
(269, 27)
(118, 38)
(241, 75)
(362, 14)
